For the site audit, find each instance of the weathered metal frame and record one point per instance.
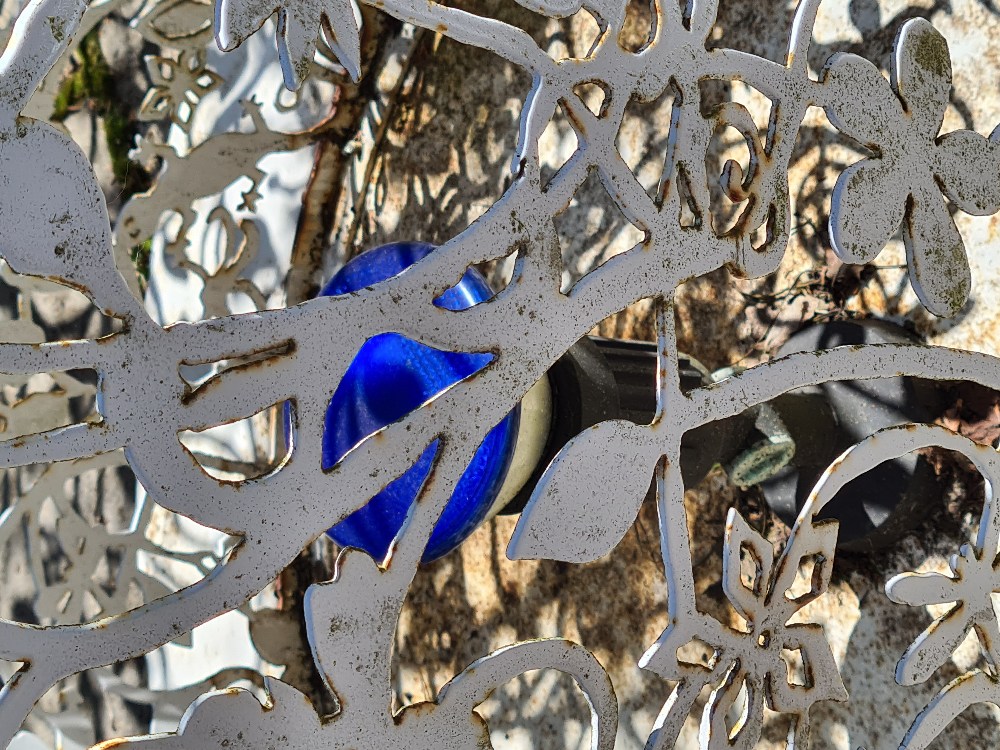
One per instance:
(54, 224)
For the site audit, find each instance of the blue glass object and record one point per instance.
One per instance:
(390, 377)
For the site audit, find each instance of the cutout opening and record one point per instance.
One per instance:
(536, 691)
(698, 653)
(592, 230)
(40, 306)
(644, 143)
(245, 449)
(690, 216)
(821, 154)
(733, 188)
(738, 713)
(583, 30)
(8, 669)
(556, 145)
(499, 272)
(595, 95)
(797, 672)
(738, 622)
(46, 401)
(808, 578)
(391, 377)
(771, 23)
(751, 570)
(427, 185)
(763, 236)
(639, 28)
(200, 375)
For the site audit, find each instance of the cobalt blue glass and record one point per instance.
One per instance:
(390, 377)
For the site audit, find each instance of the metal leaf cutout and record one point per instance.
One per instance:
(573, 514)
(177, 23)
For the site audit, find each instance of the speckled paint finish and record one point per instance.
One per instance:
(55, 225)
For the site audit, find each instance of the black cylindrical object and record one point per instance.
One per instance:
(600, 379)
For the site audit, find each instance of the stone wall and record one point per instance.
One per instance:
(442, 160)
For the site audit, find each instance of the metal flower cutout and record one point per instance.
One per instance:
(299, 25)
(749, 667)
(971, 586)
(765, 603)
(975, 576)
(904, 182)
(58, 226)
(178, 86)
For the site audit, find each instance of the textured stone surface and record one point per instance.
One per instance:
(443, 161)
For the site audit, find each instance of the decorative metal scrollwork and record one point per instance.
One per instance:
(158, 385)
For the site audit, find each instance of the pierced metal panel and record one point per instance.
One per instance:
(160, 390)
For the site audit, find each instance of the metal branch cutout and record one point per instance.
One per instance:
(54, 224)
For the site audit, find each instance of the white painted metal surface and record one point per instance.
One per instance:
(54, 224)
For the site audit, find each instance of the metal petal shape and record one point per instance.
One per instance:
(921, 73)
(967, 165)
(823, 679)
(866, 210)
(862, 104)
(236, 21)
(934, 646)
(748, 600)
(919, 589)
(298, 29)
(713, 733)
(816, 543)
(935, 253)
(958, 695)
(340, 27)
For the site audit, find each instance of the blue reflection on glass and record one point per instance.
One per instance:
(390, 377)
